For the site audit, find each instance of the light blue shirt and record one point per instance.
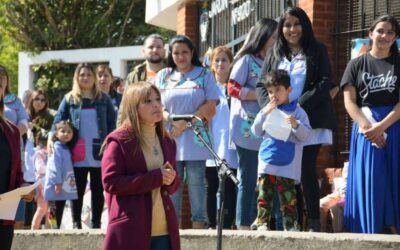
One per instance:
(297, 70)
(184, 94)
(297, 136)
(245, 72)
(59, 170)
(88, 131)
(220, 133)
(28, 166)
(14, 111)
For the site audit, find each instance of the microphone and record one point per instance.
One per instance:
(187, 118)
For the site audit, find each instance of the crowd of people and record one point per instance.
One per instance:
(137, 146)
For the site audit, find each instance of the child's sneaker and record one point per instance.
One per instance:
(294, 228)
(52, 215)
(254, 225)
(263, 227)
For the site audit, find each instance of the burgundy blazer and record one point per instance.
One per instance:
(128, 185)
(14, 141)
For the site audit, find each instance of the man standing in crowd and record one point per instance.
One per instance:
(154, 53)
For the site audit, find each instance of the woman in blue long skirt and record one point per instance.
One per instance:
(371, 96)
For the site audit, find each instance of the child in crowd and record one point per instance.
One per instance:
(118, 85)
(40, 162)
(60, 179)
(334, 203)
(279, 161)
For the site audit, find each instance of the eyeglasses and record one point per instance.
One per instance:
(39, 99)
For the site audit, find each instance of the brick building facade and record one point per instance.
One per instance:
(335, 23)
(322, 15)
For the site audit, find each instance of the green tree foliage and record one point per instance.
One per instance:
(8, 54)
(39, 25)
(9, 59)
(55, 77)
(43, 25)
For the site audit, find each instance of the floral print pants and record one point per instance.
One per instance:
(285, 187)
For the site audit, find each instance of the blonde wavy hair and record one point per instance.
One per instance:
(134, 95)
(76, 92)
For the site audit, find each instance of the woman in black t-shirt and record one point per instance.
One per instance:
(371, 96)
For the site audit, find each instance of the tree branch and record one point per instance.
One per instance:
(49, 17)
(121, 34)
(104, 16)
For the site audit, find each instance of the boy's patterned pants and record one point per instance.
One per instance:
(268, 184)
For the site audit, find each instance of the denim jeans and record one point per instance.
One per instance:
(20, 215)
(160, 242)
(277, 213)
(246, 204)
(194, 173)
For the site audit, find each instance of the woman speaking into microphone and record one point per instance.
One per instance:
(138, 170)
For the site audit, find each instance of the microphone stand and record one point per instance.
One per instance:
(223, 172)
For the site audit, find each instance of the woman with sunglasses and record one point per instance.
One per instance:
(40, 118)
(39, 114)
